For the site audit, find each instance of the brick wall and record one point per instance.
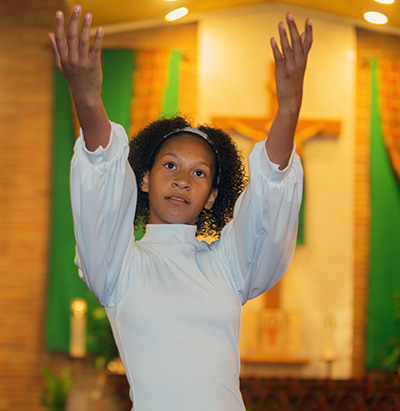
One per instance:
(25, 124)
(369, 44)
(25, 182)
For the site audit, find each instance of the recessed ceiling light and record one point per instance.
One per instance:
(176, 14)
(375, 17)
(378, 1)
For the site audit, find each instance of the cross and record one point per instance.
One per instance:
(257, 129)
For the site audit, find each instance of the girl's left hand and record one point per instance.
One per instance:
(291, 63)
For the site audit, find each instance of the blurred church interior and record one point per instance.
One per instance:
(327, 336)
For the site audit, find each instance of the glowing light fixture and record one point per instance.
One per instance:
(379, 1)
(375, 17)
(176, 14)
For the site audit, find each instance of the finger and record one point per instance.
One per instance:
(307, 37)
(98, 40)
(72, 35)
(277, 53)
(85, 36)
(55, 51)
(286, 49)
(295, 37)
(59, 36)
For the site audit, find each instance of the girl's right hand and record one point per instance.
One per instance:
(80, 67)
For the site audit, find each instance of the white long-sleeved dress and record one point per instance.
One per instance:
(174, 302)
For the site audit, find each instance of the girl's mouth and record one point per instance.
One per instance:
(179, 199)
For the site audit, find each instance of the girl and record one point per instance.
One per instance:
(174, 302)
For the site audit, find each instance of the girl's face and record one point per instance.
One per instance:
(180, 182)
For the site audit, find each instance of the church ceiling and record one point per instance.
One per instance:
(141, 12)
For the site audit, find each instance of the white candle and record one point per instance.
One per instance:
(77, 345)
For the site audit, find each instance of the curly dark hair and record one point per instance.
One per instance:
(144, 147)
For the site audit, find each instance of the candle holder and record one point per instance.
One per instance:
(329, 352)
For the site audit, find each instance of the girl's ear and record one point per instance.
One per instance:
(144, 185)
(211, 199)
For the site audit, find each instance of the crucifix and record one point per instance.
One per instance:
(257, 128)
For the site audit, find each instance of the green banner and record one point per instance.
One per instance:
(385, 242)
(301, 235)
(171, 97)
(118, 67)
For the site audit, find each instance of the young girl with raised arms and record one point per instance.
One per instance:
(174, 302)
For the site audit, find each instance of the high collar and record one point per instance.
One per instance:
(168, 234)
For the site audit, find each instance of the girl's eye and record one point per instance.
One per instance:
(170, 166)
(199, 173)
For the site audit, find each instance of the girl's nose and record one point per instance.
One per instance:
(182, 181)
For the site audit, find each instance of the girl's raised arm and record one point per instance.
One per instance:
(289, 75)
(82, 69)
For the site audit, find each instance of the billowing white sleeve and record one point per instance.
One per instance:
(103, 196)
(258, 244)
